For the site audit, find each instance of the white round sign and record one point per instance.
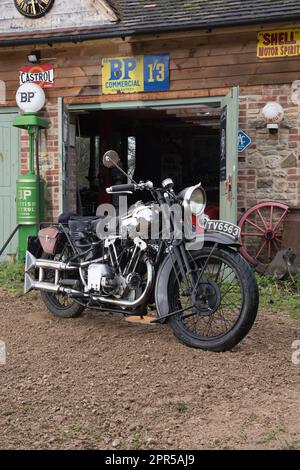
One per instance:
(273, 112)
(30, 98)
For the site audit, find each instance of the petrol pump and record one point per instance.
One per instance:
(30, 187)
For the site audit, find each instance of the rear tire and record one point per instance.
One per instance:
(59, 304)
(246, 311)
(53, 305)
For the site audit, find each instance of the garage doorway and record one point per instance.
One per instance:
(189, 140)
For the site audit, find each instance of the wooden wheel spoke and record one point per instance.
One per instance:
(262, 219)
(271, 218)
(254, 225)
(251, 234)
(269, 249)
(261, 249)
(280, 220)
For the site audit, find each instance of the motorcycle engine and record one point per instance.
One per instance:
(101, 277)
(103, 281)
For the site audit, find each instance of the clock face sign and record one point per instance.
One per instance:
(34, 8)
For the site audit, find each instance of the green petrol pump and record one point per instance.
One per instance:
(30, 187)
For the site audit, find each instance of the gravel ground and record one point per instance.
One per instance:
(99, 382)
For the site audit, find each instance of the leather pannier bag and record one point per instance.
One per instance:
(49, 239)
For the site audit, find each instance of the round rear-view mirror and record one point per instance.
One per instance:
(111, 158)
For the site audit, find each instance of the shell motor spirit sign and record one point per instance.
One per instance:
(280, 43)
(143, 73)
(42, 75)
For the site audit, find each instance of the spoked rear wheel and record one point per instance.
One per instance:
(60, 305)
(222, 308)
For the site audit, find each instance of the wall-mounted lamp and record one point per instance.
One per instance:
(34, 57)
(273, 113)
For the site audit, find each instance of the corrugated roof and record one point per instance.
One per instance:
(161, 15)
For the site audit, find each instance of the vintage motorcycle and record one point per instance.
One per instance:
(199, 283)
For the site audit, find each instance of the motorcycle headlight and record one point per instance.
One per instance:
(194, 199)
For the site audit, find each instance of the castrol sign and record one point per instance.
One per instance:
(42, 75)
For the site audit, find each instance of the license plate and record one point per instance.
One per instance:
(223, 227)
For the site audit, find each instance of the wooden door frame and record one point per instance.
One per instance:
(138, 104)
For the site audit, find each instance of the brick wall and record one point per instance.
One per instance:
(269, 168)
(49, 164)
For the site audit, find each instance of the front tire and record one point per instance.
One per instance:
(224, 308)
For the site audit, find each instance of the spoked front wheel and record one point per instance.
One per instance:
(220, 310)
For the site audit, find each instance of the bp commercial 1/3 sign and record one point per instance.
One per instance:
(136, 74)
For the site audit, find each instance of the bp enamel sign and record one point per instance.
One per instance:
(30, 98)
(135, 74)
(244, 140)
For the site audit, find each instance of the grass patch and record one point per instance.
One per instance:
(137, 442)
(12, 277)
(280, 295)
(179, 406)
(98, 436)
(290, 446)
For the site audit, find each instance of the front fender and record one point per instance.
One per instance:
(161, 286)
(165, 269)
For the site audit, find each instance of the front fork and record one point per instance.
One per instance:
(179, 253)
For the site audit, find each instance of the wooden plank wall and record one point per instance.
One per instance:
(200, 66)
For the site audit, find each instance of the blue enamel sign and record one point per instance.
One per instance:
(244, 140)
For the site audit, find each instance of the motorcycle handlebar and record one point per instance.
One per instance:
(119, 188)
(130, 187)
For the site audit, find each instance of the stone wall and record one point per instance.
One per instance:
(269, 168)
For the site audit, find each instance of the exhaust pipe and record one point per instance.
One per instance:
(30, 284)
(33, 262)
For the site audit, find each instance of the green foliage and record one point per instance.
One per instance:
(280, 295)
(180, 406)
(12, 277)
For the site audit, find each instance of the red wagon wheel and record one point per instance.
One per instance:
(261, 232)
